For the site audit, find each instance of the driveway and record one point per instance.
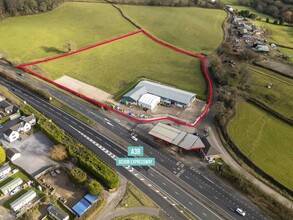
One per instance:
(35, 152)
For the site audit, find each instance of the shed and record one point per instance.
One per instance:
(5, 169)
(149, 101)
(8, 187)
(56, 213)
(81, 207)
(23, 200)
(91, 198)
(12, 154)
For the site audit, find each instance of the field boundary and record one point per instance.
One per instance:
(153, 38)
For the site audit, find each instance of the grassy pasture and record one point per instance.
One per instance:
(287, 52)
(115, 66)
(44, 35)
(282, 90)
(265, 140)
(252, 10)
(181, 26)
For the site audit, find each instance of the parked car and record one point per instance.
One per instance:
(240, 211)
(1, 126)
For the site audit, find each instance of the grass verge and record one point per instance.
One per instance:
(138, 217)
(134, 197)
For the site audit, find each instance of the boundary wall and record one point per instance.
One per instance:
(153, 38)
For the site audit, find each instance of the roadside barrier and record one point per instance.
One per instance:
(203, 60)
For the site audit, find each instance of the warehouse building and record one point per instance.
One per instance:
(176, 137)
(8, 187)
(23, 200)
(168, 95)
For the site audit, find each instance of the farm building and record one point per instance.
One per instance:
(168, 95)
(5, 169)
(8, 187)
(84, 204)
(23, 200)
(176, 137)
(12, 154)
(56, 213)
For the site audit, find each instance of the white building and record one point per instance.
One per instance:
(23, 200)
(11, 135)
(149, 101)
(12, 154)
(5, 169)
(8, 187)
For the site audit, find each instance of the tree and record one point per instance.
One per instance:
(226, 48)
(276, 21)
(70, 46)
(94, 187)
(78, 175)
(2, 155)
(268, 20)
(59, 153)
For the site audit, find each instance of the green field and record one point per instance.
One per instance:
(44, 35)
(183, 27)
(287, 52)
(265, 140)
(282, 35)
(116, 66)
(252, 10)
(282, 90)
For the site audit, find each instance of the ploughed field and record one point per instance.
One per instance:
(265, 140)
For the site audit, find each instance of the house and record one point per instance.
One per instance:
(12, 154)
(209, 152)
(30, 119)
(23, 200)
(21, 127)
(11, 135)
(5, 169)
(6, 107)
(8, 187)
(56, 213)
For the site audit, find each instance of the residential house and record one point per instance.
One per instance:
(8, 187)
(30, 119)
(5, 169)
(12, 154)
(57, 214)
(23, 200)
(11, 135)
(6, 107)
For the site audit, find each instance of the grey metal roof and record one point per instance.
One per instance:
(57, 213)
(15, 182)
(5, 167)
(176, 136)
(136, 93)
(163, 91)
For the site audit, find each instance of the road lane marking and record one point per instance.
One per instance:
(81, 127)
(204, 214)
(190, 203)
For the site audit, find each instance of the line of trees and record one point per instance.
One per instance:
(26, 7)
(276, 9)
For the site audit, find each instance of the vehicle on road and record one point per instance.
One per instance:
(1, 126)
(134, 138)
(240, 211)
(17, 189)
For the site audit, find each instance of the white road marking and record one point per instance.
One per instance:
(190, 203)
(176, 193)
(81, 127)
(204, 214)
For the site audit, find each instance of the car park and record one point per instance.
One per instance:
(240, 212)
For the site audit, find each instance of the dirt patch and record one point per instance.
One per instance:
(83, 88)
(64, 187)
(281, 68)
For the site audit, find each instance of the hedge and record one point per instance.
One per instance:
(78, 175)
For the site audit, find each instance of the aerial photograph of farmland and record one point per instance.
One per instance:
(146, 109)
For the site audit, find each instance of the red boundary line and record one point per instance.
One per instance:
(203, 59)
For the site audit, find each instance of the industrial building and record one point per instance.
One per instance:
(8, 187)
(157, 93)
(23, 200)
(176, 137)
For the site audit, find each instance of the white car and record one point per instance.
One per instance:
(240, 211)
(134, 138)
